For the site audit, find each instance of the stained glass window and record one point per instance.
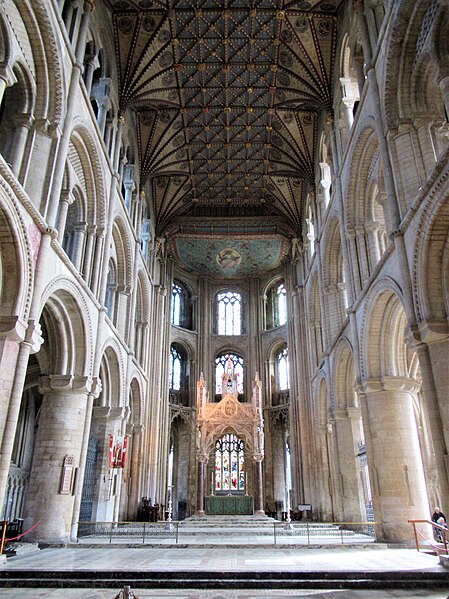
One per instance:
(175, 369)
(282, 369)
(229, 313)
(220, 368)
(229, 464)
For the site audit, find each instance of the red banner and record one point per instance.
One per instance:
(117, 451)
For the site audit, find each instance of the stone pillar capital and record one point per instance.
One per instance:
(390, 384)
(12, 328)
(354, 413)
(7, 74)
(68, 383)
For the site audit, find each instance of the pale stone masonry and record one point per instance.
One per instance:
(86, 279)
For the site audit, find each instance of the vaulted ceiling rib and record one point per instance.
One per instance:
(227, 96)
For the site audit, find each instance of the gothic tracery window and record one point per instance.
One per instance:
(181, 308)
(175, 369)
(229, 464)
(282, 370)
(220, 369)
(178, 376)
(229, 306)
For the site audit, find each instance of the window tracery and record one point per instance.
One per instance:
(229, 464)
(229, 313)
(220, 369)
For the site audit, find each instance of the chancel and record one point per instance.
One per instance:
(229, 453)
(223, 263)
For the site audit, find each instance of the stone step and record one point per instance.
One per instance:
(225, 580)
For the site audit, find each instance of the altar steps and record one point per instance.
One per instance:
(267, 580)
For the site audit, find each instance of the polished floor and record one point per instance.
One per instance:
(173, 594)
(223, 559)
(226, 559)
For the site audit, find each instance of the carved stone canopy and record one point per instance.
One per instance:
(244, 419)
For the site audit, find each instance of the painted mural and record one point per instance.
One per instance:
(225, 257)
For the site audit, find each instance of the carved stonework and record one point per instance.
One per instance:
(215, 419)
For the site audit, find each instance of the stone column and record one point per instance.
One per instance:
(94, 393)
(324, 486)
(16, 344)
(258, 486)
(79, 232)
(347, 424)
(87, 262)
(65, 200)
(60, 434)
(136, 456)
(89, 68)
(98, 254)
(395, 461)
(201, 474)
(433, 419)
(22, 126)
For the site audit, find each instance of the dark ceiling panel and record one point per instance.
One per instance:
(227, 101)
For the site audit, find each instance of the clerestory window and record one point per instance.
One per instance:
(282, 370)
(175, 369)
(181, 306)
(229, 306)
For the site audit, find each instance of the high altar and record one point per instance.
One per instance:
(242, 419)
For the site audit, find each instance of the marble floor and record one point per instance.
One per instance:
(223, 559)
(173, 594)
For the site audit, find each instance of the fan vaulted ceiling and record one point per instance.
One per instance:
(226, 95)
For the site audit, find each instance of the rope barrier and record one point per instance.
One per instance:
(24, 533)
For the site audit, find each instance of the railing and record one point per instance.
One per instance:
(334, 532)
(139, 531)
(291, 533)
(440, 541)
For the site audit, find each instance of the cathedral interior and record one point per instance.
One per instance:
(224, 251)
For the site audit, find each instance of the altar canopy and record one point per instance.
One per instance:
(231, 433)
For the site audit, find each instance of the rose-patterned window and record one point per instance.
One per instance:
(229, 464)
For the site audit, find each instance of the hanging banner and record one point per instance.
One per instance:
(117, 451)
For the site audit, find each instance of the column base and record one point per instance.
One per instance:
(200, 513)
(259, 513)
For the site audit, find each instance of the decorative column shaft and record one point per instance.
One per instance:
(258, 486)
(201, 481)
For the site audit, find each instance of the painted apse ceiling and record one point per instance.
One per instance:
(226, 95)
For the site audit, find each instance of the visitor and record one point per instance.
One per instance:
(439, 518)
(437, 514)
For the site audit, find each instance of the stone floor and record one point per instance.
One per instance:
(224, 560)
(173, 594)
